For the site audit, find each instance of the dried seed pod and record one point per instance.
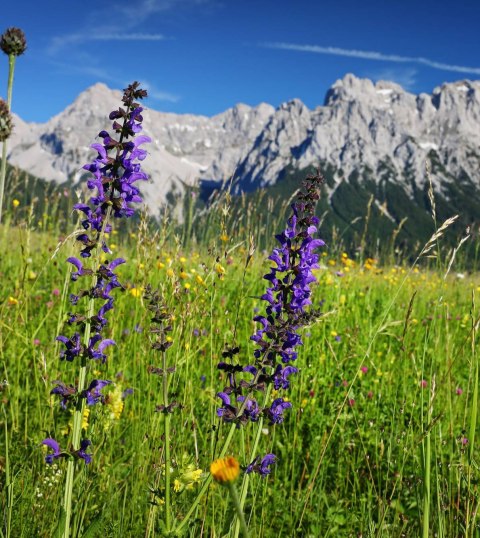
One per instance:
(6, 123)
(13, 41)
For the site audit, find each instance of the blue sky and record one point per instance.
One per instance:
(204, 56)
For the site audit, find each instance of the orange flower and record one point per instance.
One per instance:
(225, 469)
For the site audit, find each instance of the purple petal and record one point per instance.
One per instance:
(76, 262)
(51, 443)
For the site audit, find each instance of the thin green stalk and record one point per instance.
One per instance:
(426, 485)
(427, 461)
(8, 480)
(226, 445)
(79, 409)
(473, 421)
(3, 171)
(246, 477)
(473, 418)
(238, 508)
(203, 489)
(166, 431)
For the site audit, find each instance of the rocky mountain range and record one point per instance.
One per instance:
(373, 137)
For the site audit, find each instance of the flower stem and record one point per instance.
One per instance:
(166, 431)
(77, 429)
(3, 171)
(246, 477)
(228, 440)
(8, 479)
(79, 409)
(226, 445)
(238, 508)
(201, 493)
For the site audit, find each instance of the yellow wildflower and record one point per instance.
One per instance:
(220, 270)
(225, 469)
(115, 403)
(191, 476)
(86, 414)
(12, 301)
(136, 292)
(15, 203)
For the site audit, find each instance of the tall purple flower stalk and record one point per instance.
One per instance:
(114, 173)
(287, 298)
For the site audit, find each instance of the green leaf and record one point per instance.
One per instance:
(61, 523)
(93, 529)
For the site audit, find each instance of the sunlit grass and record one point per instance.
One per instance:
(391, 364)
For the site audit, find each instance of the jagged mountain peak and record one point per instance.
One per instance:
(362, 125)
(456, 94)
(93, 100)
(352, 88)
(184, 148)
(293, 105)
(464, 87)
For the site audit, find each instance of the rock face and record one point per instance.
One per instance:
(376, 126)
(184, 149)
(362, 128)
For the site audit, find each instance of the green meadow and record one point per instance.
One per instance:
(382, 437)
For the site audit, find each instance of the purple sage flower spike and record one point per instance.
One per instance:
(287, 299)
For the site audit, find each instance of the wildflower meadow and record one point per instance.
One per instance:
(159, 379)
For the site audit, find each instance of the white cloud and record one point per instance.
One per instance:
(140, 11)
(129, 37)
(159, 95)
(59, 42)
(124, 19)
(81, 66)
(405, 77)
(374, 55)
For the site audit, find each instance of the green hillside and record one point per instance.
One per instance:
(374, 213)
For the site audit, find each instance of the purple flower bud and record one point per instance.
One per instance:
(51, 443)
(276, 410)
(81, 452)
(93, 394)
(262, 467)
